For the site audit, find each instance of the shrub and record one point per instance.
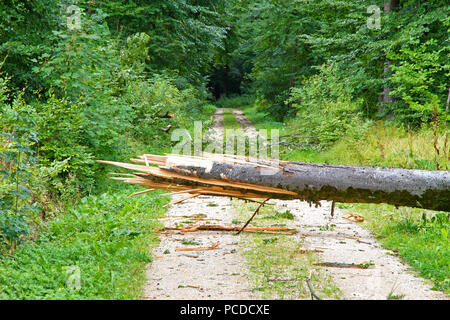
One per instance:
(325, 107)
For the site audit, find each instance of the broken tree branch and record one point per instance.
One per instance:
(244, 177)
(271, 230)
(313, 294)
(254, 214)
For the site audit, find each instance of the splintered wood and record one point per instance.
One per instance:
(212, 247)
(170, 175)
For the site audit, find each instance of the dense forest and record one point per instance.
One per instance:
(107, 79)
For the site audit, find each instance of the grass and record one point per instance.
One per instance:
(107, 238)
(278, 267)
(281, 215)
(419, 237)
(229, 120)
(384, 145)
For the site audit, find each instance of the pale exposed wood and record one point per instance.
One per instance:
(159, 172)
(182, 191)
(140, 192)
(181, 200)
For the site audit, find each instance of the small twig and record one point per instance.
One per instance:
(254, 214)
(332, 208)
(283, 280)
(313, 294)
(140, 192)
(181, 200)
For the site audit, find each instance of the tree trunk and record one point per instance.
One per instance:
(386, 97)
(447, 103)
(244, 178)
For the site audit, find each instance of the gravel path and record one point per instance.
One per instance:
(213, 274)
(221, 273)
(346, 242)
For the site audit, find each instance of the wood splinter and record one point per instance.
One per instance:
(214, 246)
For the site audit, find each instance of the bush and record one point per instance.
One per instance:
(325, 107)
(15, 194)
(241, 101)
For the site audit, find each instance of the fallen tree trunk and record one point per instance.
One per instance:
(235, 176)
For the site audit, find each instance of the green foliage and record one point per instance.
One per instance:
(16, 159)
(25, 33)
(107, 237)
(420, 237)
(326, 110)
(209, 109)
(15, 195)
(65, 165)
(99, 93)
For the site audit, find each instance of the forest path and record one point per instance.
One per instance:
(212, 274)
(222, 273)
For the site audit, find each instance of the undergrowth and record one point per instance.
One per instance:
(105, 239)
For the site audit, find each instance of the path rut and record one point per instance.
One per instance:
(213, 274)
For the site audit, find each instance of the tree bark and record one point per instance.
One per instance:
(447, 103)
(349, 184)
(233, 176)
